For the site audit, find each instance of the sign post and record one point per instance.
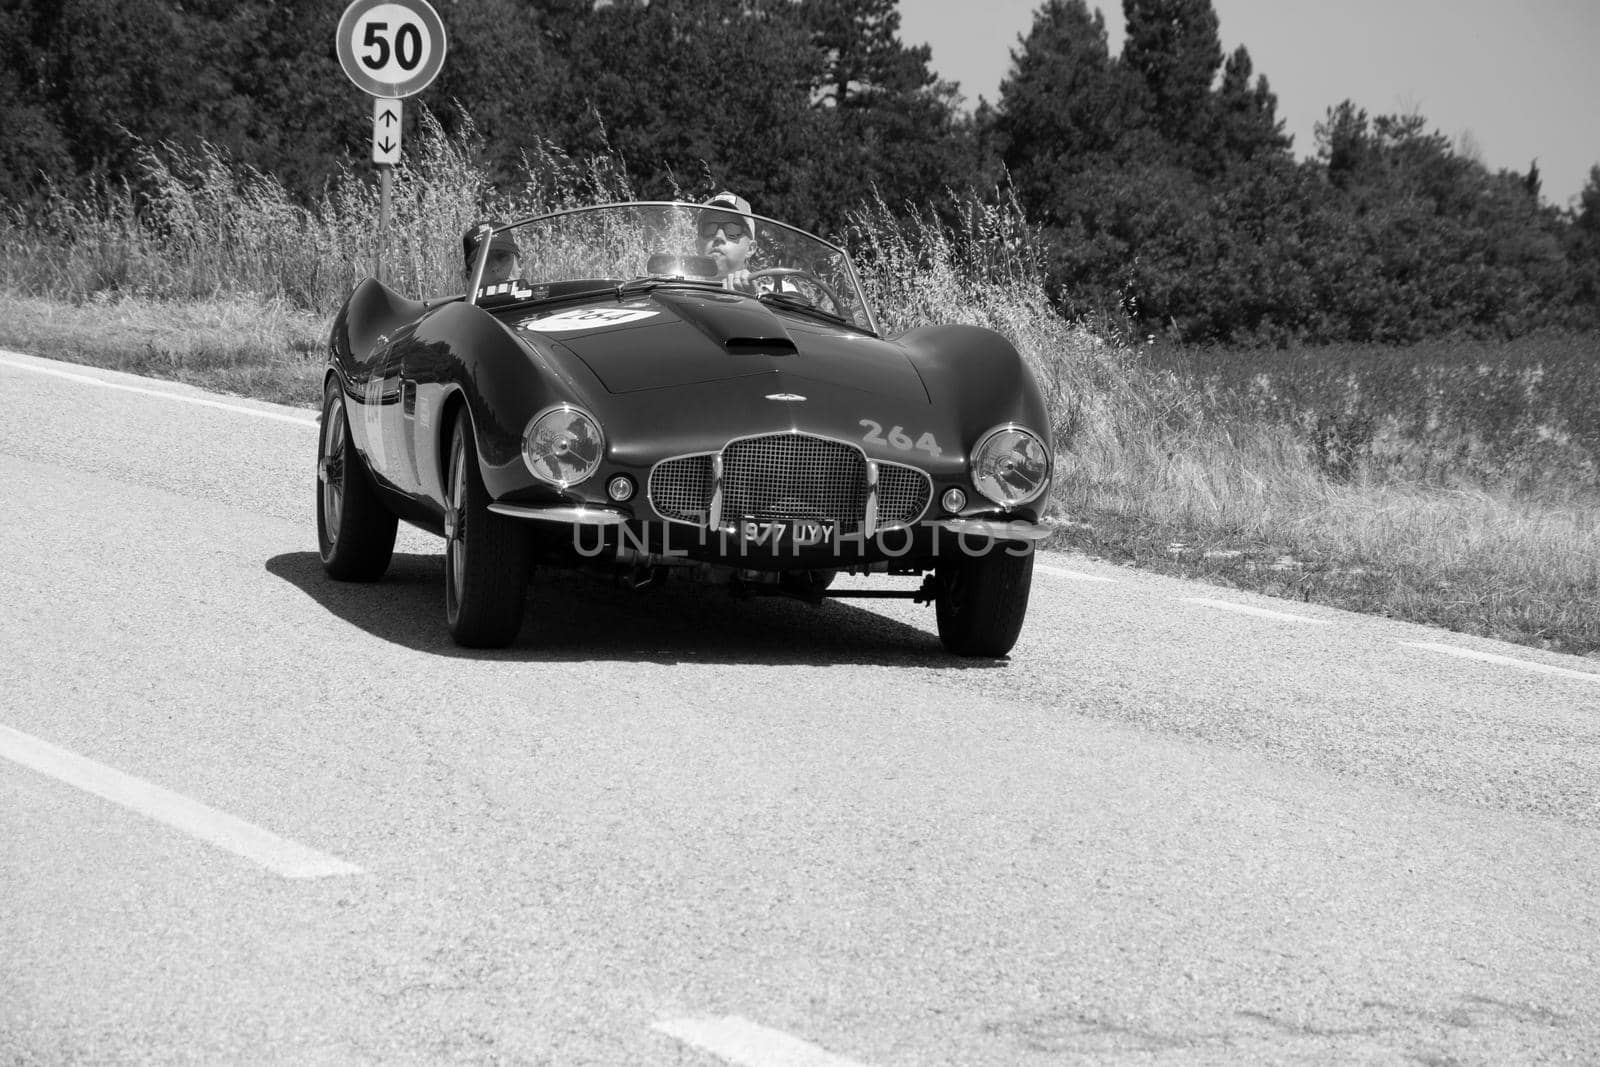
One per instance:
(391, 49)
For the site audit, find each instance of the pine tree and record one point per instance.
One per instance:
(34, 145)
(1065, 106)
(710, 95)
(1344, 142)
(886, 122)
(862, 52)
(1583, 250)
(1533, 182)
(501, 61)
(1172, 45)
(1247, 124)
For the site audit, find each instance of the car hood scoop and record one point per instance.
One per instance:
(737, 324)
(677, 339)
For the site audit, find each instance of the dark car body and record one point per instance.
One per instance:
(770, 439)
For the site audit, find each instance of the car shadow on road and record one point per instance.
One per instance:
(573, 616)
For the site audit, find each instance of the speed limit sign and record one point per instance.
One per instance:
(391, 48)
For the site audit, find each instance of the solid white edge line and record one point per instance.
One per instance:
(748, 1044)
(1062, 572)
(264, 847)
(1246, 609)
(1082, 576)
(1507, 661)
(89, 379)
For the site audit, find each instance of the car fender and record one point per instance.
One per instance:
(360, 350)
(460, 354)
(979, 375)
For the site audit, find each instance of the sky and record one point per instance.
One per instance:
(1509, 82)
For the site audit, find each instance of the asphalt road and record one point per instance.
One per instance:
(248, 815)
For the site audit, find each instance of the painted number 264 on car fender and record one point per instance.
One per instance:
(898, 438)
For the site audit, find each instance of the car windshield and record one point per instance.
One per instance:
(653, 243)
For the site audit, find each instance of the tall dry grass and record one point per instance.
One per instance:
(985, 270)
(197, 227)
(1157, 469)
(1130, 438)
(211, 273)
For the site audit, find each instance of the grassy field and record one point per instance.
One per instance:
(1523, 415)
(266, 350)
(1453, 484)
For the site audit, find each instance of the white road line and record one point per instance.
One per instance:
(202, 401)
(275, 853)
(1246, 609)
(1062, 572)
(1508, 661)
(749, 1044)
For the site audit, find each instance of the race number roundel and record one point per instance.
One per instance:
(391, 48)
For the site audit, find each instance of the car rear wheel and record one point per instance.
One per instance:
(981, 601)
(488, 558)
(355, 532)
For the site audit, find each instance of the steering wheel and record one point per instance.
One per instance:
(806, 278)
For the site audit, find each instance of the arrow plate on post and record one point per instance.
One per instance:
(386, 124)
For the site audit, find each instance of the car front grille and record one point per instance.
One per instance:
(787, 476)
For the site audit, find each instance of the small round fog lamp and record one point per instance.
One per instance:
(620, 488)
(953, 501)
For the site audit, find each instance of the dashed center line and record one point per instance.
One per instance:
(240, 409)
(275, 853)
(1507, 661)
(1247, 609)
(748, 1044)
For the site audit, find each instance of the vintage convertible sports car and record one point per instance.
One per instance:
(619, 404)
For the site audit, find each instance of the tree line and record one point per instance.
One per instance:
(1162, 188)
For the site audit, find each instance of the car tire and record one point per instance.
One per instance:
(355, 532)
(488, 558)
(982, 600)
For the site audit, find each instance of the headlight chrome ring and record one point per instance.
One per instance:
(563, 446)
(1011, 466)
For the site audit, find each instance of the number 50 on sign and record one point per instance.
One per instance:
(391, 48)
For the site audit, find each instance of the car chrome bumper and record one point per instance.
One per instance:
(999, 529)
(562, 513)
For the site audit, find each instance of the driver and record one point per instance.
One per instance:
(503, 262)
(729, 236)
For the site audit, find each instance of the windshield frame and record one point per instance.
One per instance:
(481, 258)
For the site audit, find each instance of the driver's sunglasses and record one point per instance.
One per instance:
(733, 231)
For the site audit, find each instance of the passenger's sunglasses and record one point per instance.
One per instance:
(733, 231)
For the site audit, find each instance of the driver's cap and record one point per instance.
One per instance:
(736, 205)
(500, 242)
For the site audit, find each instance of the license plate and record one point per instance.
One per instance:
(797, 532)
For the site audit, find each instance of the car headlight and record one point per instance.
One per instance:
(563, 446)
(1010, 466)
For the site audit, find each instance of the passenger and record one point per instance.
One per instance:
(503, 264)
(729, 237)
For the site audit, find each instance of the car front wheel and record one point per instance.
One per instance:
(981, 601)
(355, 532)
(488, 558)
